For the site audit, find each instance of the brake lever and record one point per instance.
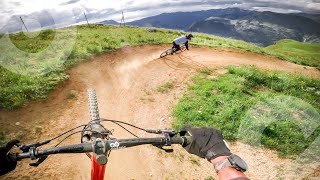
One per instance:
(168, 134)
(165, 131)
(166, 150)
(26, 148)
(171, 133)
(40, 160)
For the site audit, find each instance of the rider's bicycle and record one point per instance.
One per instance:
(97, 141)
(172, 51)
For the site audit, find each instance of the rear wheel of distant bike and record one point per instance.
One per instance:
(167, 52)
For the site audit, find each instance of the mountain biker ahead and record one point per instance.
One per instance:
(182, 40)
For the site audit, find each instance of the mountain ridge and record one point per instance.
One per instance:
(260, 28)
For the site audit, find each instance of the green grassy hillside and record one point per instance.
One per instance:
(297, 52)
(251, 96)
(16, 89)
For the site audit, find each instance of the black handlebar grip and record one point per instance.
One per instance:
(183, 140)
(187, 140)
(12, 157)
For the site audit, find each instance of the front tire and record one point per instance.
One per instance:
(167, 52)
(93, 105)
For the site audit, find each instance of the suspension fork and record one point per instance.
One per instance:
(95, 133)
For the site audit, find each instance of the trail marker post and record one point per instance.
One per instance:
(24, 23)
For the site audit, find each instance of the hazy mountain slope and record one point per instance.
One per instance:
(315, 17)
(183, 20)
(111, 22)
(262, 28)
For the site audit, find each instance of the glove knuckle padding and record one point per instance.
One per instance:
(10, 144)
(207, 143)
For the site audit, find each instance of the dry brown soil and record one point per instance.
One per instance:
(125, 82)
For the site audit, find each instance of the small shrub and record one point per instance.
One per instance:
(94, 49)
(206, 71)
(209, 178)
(72, 94)
(38, 129)
(2, 138)
(194, 161)
(165, 87)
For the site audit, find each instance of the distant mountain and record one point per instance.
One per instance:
(261, 28)
(111, 22)
(184, 20)
(315, 17)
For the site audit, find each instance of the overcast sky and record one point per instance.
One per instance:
(40, 13)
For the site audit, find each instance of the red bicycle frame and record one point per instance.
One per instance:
(97, 170)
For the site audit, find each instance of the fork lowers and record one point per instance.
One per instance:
(94, 129)
(93, 105)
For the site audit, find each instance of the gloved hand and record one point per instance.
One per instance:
(6, 165)
(207, 143)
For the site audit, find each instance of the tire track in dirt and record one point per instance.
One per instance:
(125, 82)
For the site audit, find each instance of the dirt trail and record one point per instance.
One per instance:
(125, 82)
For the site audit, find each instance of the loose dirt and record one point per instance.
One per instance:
(125, 82)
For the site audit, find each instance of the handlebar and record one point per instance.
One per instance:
(105, 145)
(97, 139)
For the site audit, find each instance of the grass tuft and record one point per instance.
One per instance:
(2, 138)
(165, 87)
(72, 94)
(206, 71)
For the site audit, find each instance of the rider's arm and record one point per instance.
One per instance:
(187, 45)
(209, 143)
(228, 172)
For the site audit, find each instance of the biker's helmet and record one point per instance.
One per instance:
(189, 36)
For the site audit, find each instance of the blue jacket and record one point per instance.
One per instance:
(181, 40)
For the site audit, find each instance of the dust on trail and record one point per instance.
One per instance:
(125, 82)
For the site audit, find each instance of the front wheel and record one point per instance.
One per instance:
(167, 52)
(93, 105)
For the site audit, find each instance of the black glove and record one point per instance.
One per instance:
(6, 165)
(207, 143)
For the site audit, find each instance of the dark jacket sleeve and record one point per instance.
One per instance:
(187, 45)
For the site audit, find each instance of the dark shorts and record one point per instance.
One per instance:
(175, 46)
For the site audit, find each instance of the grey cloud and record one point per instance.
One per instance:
(182, 4)
(15, 3)
(244, 4)
(45, 18)
(289, 5)
(179, 5)
(69, 2)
